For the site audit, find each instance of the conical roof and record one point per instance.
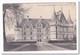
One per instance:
(69, 19)
(54, 16)
(62, 18)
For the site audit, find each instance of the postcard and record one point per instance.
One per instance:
(39, 26)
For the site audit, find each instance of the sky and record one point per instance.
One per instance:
(46, 9)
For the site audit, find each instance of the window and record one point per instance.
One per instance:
(40, 35)
(47, 37)
(31, 33)
(47, 31)
(24, 38)
(31, 38)
(24, 33)
(39, 30)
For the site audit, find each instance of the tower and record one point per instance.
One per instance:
(69, 18)
(53, 28)
(70, 27)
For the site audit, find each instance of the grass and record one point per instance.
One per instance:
(71, 46)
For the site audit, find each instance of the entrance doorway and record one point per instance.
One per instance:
(39, 40)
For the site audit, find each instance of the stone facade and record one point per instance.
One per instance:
(44, 30)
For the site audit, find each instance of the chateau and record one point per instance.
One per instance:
(58, 28)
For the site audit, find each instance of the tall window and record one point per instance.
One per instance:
(47, 31)
(40, 35)
(31, 33)
(47, 37)
(24, 33)
(31, 38)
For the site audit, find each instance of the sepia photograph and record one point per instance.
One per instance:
(39, 26)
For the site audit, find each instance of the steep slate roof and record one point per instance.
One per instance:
(25, 22)
(61, 17)
(69, 20)
(45, 22)
(54, 16)
(34, 22)
(58, 18)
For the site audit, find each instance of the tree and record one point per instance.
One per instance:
(17, 10)
(7, 6)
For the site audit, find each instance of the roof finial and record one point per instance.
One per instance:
(53, 14)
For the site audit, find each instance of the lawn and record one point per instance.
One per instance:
(71, 46)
